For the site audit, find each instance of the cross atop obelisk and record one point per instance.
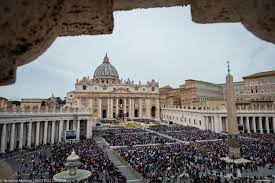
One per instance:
(228, 67)
(233, 131)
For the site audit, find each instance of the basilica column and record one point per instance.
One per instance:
(30, 134)
(88, 129)
(112, 107)
(77, 129)
(117, 107)
(108, 108)
(140, 108)
(12, 136)
(133, 107)
(148, 108)
(261, 124)
(99, 108)
(125, 107)
(45, 132)
(53, 132)
(254, 124)
(267, 124)
(37, 133)
(158, 109)
(60, 132)
(21, 135)
(3, 138)
(67, 125)
(130, 107)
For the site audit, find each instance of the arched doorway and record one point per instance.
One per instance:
(153, 112)
(104, 113)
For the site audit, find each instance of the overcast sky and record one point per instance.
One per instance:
(161, 43)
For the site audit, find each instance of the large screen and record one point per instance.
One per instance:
(70, 134)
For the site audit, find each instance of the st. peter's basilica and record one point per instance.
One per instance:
(108, 96)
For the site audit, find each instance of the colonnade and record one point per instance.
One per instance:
(17, 135)
(257, 124)
(25, 129)
(216, 120)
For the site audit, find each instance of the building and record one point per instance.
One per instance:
(31, 102)
(200, 93)
(5, 103)
(42, 102)
(169, 97)
(108, 96)
(195, 93)
(259, 88)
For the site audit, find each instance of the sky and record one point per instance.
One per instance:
(160, 43)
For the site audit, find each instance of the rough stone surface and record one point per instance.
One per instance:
(120, 5)
(258, 16)
(28, 27)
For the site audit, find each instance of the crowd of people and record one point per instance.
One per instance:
(92, 158)
(196, 161)
(38, 165)
(45, 164)
(119, 130)
(173, 128)
(156, 157)
(186, 133)
(264, 137)
(130, 137)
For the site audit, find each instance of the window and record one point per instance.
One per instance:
(153, 88)
(84, 87)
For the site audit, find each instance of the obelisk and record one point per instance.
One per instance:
(233, 131)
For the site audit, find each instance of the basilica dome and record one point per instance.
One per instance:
(106, 70)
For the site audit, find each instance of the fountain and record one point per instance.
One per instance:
(73, 174)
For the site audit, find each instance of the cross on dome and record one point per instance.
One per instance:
(106, 59)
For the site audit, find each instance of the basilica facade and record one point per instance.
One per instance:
(108, 96)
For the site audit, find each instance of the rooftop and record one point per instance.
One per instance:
(260, 74)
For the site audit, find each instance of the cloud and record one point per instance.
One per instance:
(160, 43)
